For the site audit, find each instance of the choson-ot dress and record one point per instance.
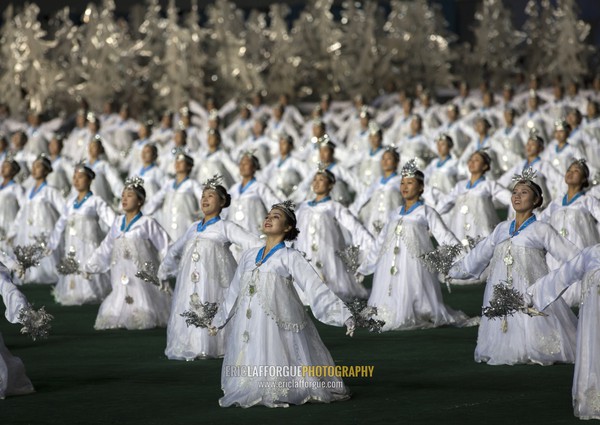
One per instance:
(406, 293)
(80, 223)
(133, 303)
(519, 257)
(175, 205)
(13, 380)
(268, 326)
(326, 228)
(204, 265)
(39, 211)
(584, 268)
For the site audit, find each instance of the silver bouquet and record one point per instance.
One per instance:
(440, 260)
(29, 255)
(200, 314)
(363, 315)
(506, 301)
(350, 257)
(148, 274)
(68, 265)
(36, 323)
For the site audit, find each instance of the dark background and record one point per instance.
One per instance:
(458, 13)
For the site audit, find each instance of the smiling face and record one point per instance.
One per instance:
(275, 223)
(321, 185)
(411, 188)
(523, 198)
(211, 203)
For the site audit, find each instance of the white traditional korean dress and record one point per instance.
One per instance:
(36, 219)
(406, 293)
(13, 380)
(133, 303)
(374, 205)
(107, 184)
(153, 177)
(11, 196)
(284, 175)
(519, 257)
(470, 207)
(217, 162)
(204, 265)
(176, 205)
(249, 205)
(585, 268)
(577, 221)
(268, 326)
(80, 223)
(327, 228)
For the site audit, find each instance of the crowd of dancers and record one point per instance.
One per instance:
(186, 197)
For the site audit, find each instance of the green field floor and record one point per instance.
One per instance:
(84, 376)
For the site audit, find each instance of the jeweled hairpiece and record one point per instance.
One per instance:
(81, 167)
(43, 158)
(534, 135)
(561, 125)
(374, 128)
(213, 114)
(134, 182)
(288, 208)
(325, 142)
(322, 169)
(253, 158)
(213, 182)
(411, 170)
(364, 112)
(445, 137)
(527, 177)
(185, 111)
(393, 149)
(181, 155)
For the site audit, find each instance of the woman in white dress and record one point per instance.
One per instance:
(575, 216)
(585, 268)
(148, 170)
(176, 204)
(374, 205)
(107, 184)
(133, 241)
(214, 160)
(441, 173)
(285, 172)
(326, 228)
(250, 198)
(39, 211)
(13, 380)
(406, 294)
(268, 326)
(204, 267)
(11, 196)
(516, 255)
(81, 224)
(471, 203)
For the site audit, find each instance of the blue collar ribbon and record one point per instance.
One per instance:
(9, 183)
(259, 257)
(77, 204)
(144, 170)
(441, 163)
(566, 202)
(178, 185)
(315, 202)
(35, 191)
(526, 223)
(472, 185)
(411, 209)
(384, 179)
(124, 228)
(202, 225)
(245, 188)
(529, 164)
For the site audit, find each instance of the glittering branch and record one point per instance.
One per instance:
(148, 274)
(363, 315)
(506, 301)
(200, 314)
(29, 255)
(350, 257)
(36, 323)
(441, 259)
(68, 265)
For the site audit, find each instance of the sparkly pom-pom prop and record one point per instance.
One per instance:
(441, 259)
(363, 315)
(36, 323)
(200, 314)
(68, 265)
(148, 274)
(29, 255)
(506, 301)
(350, 257)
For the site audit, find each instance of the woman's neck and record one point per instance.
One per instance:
(179, 177)
(410, 202)
(5, 181)
(81, 194)
(573, 190)
(210, 216)
(475, 177)
(531, 157)
(246, 180)
(521, 217)
(129, 215)
(272, 241)
(321, 196)
(39, 182)
(387, 173)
